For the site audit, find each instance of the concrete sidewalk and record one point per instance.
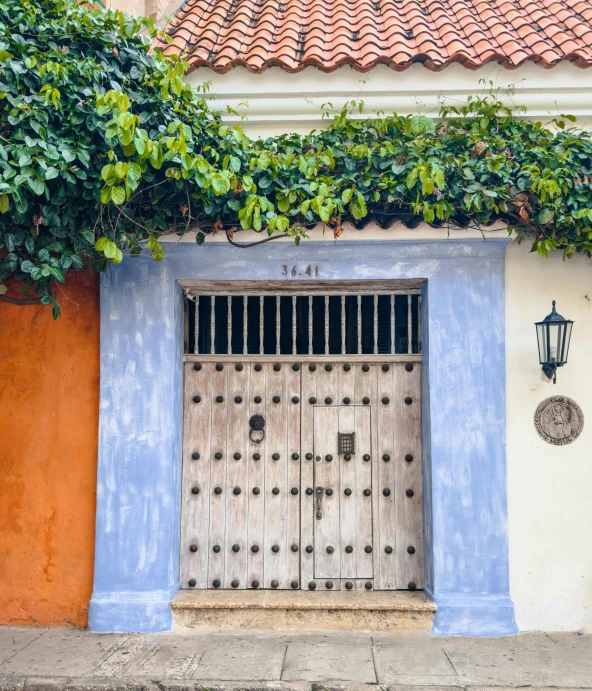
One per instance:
(36, 659)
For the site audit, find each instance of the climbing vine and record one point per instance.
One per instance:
(104, 148)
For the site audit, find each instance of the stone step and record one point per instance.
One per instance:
(300, 609)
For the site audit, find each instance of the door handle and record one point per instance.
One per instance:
(319, 496)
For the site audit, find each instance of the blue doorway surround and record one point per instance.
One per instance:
(463, 403)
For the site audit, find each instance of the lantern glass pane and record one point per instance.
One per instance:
(555, 331)
(542, 340)
(566, 339)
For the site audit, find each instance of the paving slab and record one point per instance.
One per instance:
(329, 662)
(241, 659)
(13, 640)
(60, 652)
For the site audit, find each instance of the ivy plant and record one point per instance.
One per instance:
(104, 148)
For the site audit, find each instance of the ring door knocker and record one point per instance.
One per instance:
(257, 424)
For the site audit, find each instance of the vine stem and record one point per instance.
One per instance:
(245, 245)
(16, 301)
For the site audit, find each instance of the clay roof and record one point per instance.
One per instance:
(294, 34)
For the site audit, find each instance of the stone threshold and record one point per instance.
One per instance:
(300, 609)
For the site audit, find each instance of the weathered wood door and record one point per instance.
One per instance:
(343, 493)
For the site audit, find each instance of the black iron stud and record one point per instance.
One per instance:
(328, 457)
(216, 583)
(411, 585)
(295, 399)
(385, 457)
(218, 490)
(312, 585)
(275, 548)
(386, 491)
(312, 400)
(236, 548)
(255, 549)
(328, 400)
(367, 492)
(295, 456)
(368, 549)
(255, 584)
(256, 490)
(328, 368)
(388, 549)
(236, 491)
(365, 368)
(235, 583)
(193, 548)
(197, 367)
(218, 455)
(409, 367)
(312, 368)
(257, 399)
(347, 457)
(294, 491)
(329, 585)
(329, 492)
(385, 368)
(408, 458)
(409, 492)
(366, 457)
(349, 549)
(308, 457)
(275, 490)
(219, 367)
(275, 584)
(195, 490)
(237, 456)
(411, 549)
(216, 548)
(191, 582)
(294, 584)
(309, 549)
(256, 456)
(219, 399)
(295, 367)
(276, 399)
(258, 368)
(347, 400)
(197, 399)
(365, 400)
(368, 585)
(347, 491)
(238, 399)
(275, 456)
(347, 367)
(294, 547)
(277, 368)
(349, 585)
(330, 549)
(309, 491)
(408, 400)
(238, 368)
(385, 400)
(195, 456)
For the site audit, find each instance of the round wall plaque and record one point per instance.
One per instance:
(559, 420)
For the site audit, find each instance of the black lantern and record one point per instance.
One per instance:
(553, 335)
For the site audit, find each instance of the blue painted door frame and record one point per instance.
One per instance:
(464, 425)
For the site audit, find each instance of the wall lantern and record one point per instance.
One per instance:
(553, 335)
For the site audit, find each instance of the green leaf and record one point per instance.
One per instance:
(4, 203)
(118, 195)
(27, 266)
(101, 244)
(545, 216)
(200, 238)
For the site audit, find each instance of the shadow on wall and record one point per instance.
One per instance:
(49, 396)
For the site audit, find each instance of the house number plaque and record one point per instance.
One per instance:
(559, 420)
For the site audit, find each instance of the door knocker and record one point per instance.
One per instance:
(257, 423)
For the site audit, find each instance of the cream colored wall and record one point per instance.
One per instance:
(549, 488)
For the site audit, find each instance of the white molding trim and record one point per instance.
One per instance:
(282, 102)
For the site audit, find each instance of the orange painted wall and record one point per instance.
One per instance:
(49, 398)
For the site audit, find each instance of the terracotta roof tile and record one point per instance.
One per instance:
(294, 34)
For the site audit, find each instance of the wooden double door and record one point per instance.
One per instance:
(302, 475)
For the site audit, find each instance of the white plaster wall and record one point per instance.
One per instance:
(549, 488)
